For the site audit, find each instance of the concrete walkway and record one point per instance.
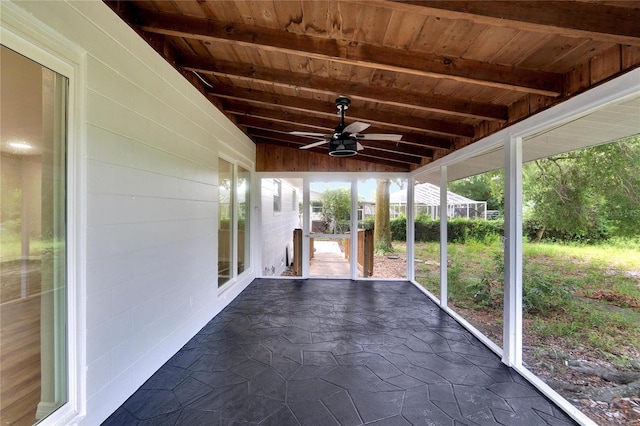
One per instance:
(328, 260)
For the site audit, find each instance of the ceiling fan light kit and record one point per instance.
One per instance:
(343, 148)
(344, 141)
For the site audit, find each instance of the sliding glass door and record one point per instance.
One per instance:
(33, 240)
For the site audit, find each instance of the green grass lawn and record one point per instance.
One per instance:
(576, 295)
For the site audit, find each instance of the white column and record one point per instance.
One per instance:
(411, 232)
(353, 246)
(512, 331)
(443, 236)
(305, 227)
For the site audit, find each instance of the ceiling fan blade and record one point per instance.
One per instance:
(317, 135)
(378, 137)
(356, 127)
(313, 145)
(359, 146)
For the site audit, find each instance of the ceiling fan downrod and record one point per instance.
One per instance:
(342, 103)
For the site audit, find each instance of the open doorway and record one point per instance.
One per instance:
(329, 229)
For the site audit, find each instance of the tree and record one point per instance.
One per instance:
(382, 226)
(582, 191)
(336, 210)
(487, 187)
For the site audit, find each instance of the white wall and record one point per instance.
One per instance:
(277, 227)
(152, 143)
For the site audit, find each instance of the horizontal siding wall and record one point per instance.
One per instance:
(152, 143)
(277, 236)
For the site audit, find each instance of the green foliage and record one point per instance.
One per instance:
(399, 228)
(574, 293)
(458, 230)
(543, 290)
(587, 195)
(367, 223)
(425, 228)
(593, 232)
(336, 210)
(487, 187)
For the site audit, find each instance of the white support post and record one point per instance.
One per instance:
(444, 296)
(512, 331)
(306, 226)
(353, 246)
(410, 215)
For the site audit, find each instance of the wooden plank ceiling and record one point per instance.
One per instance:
(443, 74)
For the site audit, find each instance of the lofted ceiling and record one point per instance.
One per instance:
(443, 74)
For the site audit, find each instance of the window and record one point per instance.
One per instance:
(225, 221)
(294, 200)
(233, 220)
(277, 195)
(33, 240)
(243, 183)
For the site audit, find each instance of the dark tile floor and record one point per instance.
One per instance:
(335, 352)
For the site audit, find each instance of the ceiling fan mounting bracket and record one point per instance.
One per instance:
(343, 103)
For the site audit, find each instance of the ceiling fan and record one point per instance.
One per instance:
(344, 141)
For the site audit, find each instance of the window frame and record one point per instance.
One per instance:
(277, 195)
(235, 206)
(25, 35)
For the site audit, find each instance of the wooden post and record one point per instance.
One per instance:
(297, 252)
(368, 253)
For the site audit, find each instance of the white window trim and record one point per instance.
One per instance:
(235, 277)
(29, 37)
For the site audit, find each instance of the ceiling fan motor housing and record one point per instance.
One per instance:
(343, 147)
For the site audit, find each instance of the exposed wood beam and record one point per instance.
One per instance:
(355, 112)
(366, 154)
(390, 159)
(575, 19)
(274, 125)
(390, 96)
(360, 54)
(282, 157)
(296, 119)
(252, 123)
(383, 149)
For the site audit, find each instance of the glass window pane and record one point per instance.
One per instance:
(580, 261)
(244, 201)
(475, 253)
(33, 302)
(382, 206)
(426, 199)
(225, 217)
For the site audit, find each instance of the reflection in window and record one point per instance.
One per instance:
(225, 218)
(33, 294)
(277, 195)
(242, 189)
(233, 220)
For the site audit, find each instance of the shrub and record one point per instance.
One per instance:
(399, 228)
(368, 223)
(596, 232)
(543, 292)
(458, 230)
